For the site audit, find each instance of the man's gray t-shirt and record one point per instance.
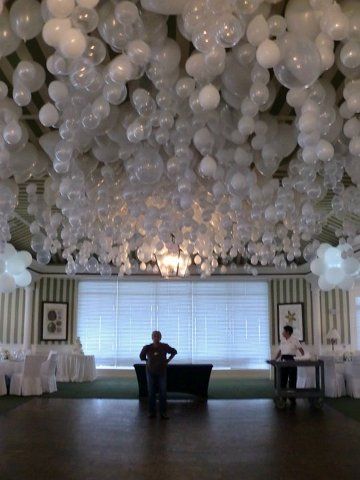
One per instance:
(155, 357)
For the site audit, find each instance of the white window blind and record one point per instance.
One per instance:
(221, 322)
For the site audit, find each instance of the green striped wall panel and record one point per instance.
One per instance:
(50, 289)
(334, 308)
(12, 307)
(291, 290)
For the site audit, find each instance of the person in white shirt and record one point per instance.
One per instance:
(289, 346)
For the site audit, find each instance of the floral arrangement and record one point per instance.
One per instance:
(5, 354)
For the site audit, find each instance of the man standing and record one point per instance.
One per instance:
(155, 355)
(288, 349)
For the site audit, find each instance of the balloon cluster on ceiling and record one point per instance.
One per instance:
(13, 267)
(335, 266)
(148, 142)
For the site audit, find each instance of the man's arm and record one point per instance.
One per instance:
(301, 350)
(172, 352)
(143, 353)
(278, 354)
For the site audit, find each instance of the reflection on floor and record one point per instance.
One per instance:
(88, 439)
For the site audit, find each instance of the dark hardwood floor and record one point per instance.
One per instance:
(53, 439)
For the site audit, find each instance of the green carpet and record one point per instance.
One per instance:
(240, 388)
(9, 402)
(127, 388)
(350, 407)
(107, 387)
(102, 387)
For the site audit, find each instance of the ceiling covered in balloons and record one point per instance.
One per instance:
(224, 130)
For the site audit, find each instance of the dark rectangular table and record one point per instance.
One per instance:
(181, 378)
(314, 395)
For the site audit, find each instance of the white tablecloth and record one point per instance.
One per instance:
(9, 367)
(75, 368)
(306, 375)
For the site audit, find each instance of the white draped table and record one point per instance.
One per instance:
(75, 368)
(306, 375)
(9, 367)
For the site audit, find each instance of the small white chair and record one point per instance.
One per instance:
(29, 381)
(334, 381)
(48, 368)
(3, 389)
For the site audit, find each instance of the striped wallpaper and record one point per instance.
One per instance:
(12, 307)
(335, 313)
(334, 307)
(50, 289)
(291, 290)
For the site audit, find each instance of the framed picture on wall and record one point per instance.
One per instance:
(54, 321)
(291, 314)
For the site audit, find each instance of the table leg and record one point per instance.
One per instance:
(317, 376)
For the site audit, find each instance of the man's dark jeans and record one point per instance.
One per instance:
(288, 374)
(156, 382)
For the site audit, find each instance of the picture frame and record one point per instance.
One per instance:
(54, 324)
(291, 314)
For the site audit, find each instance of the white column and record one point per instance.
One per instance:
(28, 317)
(315, 295)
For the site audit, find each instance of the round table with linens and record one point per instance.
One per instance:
(75, 368)
(9, 367)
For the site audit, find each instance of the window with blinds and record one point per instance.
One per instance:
(225, 323)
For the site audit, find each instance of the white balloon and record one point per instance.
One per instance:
(164, 7)
(121, 69)
(60, 8)
(7, 283)
(24, 279)
(322, 249)
(126, 12)
(48, 115)
(9, 251)
(208, 166)
(58, 91)
(9, 42)
(335, 275)
(332, 258)
(87, 3)
(301, 19)
(138, 52)
(25, 257)
(346, 284)
(351, 266)
(15, 265)
(25, 17)
(54, 30)
(257, 30)
(73, 43)
(268, 54)
(209, 97)
(318, 267)
(324, 285)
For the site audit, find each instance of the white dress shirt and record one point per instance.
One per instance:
(289, 346)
